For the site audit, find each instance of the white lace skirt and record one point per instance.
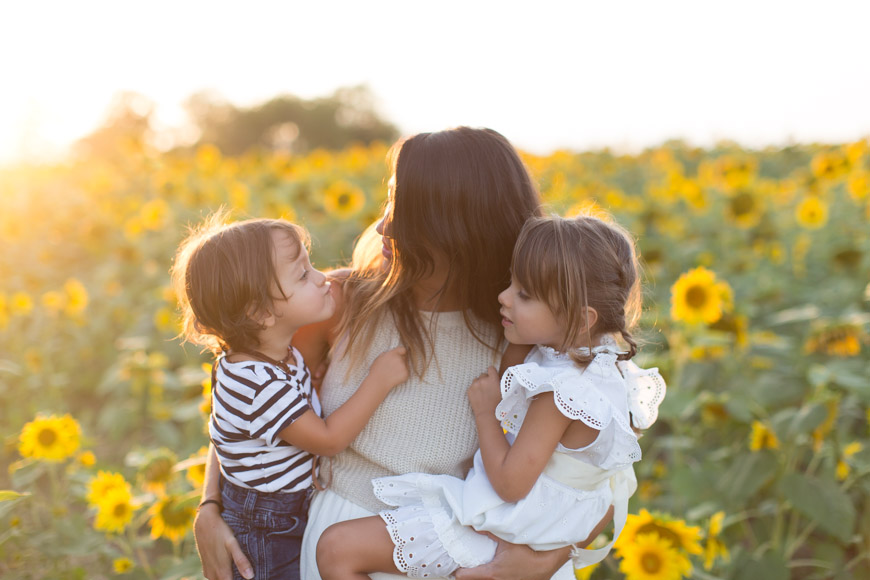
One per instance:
(328, 508)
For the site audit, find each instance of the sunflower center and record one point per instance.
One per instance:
(663, 532)
(344, 200)
(173, 516)
(120, 510)
(651, 563)
(742, 204)
(696, 296)
(47, 437)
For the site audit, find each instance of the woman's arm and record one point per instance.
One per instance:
(215, 542)
(517, 562)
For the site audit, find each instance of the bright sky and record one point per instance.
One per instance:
(547, 74)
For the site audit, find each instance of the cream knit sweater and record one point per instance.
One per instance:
(423, 425)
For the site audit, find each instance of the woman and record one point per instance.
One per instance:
(457, 202)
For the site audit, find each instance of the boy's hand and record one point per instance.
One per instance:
(391, 367)
(484, 394)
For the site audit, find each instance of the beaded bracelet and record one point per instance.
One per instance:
(217, 502)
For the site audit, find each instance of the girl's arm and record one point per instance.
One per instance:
(513, 469)
(332, 435)
(215, 542)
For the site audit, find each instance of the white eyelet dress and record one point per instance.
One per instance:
(433, 527)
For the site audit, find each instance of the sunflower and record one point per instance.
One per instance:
(170, 518)
(122, 565)
(53, 301)
(20, 304)
(714, 548)
(50, 438)
(115, 510)
(859, 184)
(830, 164)
(4, 311)
(104, 482)
(744, 208)
(195, 465)
(762, 437)
(843, 467)
(585, 573)
(157, 469)
(812, 213)
(652, 557)
(76, 297)
(343, 200)
(843, 341)
(675, 533)
(698, 297)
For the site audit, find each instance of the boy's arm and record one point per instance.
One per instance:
(332, 435)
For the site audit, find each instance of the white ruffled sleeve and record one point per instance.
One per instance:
(574, 392)
(646, 391)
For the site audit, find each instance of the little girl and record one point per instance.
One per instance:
(245, 289)
(557, 439)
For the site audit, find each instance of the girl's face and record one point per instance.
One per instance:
(527, 320)
(308, 297)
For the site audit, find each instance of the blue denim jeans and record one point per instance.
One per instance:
(269, 528)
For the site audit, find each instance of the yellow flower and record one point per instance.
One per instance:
(54, 301)
(87, 458)
(653, 558)
(698, 297)
(830, 164)
(812, 213)
(4, 311)
(744, 208)
(675, 533)
(343, 199)
(843, 467)
(122, 565)
(208, 159)
(156, 470)
(20, 304)
(50, 438)
(196, 468)
(170, 518)
(585, 573)
(114, 511)
(714, 548)
(762, 437)
(104, 482)
(155, 214)
(842, 341)
(239, 196)
(77, 297)
(859, 185)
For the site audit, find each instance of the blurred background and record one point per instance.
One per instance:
(730, 138)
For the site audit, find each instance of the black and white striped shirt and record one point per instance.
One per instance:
(252, 402)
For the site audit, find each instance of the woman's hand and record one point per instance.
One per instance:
(484, 394)
(217, 546)
(517, 562)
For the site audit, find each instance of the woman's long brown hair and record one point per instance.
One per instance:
(462, 195)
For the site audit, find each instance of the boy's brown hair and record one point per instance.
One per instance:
(224, 276)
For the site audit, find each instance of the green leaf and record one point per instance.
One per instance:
(748, 474)
(822, 501)
(8, 495)
(807, 418)
(770, 566)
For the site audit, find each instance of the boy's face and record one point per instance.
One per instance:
(308, 297)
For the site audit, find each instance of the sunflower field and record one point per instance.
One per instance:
(757, 313)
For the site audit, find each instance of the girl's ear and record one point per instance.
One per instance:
(591, 318)
(264, 318)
